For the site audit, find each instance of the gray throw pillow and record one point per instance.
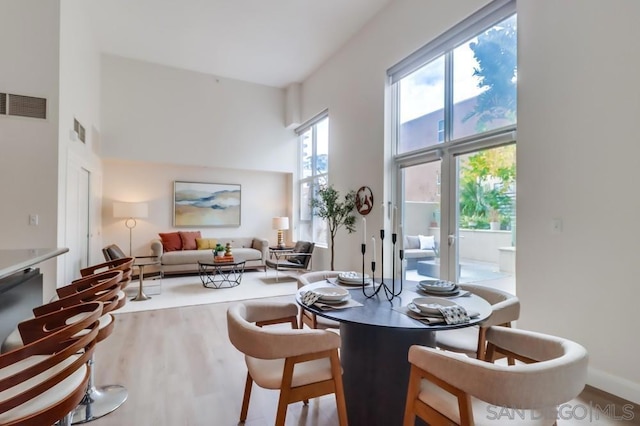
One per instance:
(412, 242)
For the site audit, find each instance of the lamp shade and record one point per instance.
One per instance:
(280, 223)
(129, 210)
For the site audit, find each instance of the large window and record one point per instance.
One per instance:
(314, 168)
(461, 85)
(454, 119)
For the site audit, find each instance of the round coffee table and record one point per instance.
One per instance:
(221, 274)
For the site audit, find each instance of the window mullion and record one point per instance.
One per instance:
(314, 151)
(448, 95)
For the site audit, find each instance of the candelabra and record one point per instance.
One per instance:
(389, 291)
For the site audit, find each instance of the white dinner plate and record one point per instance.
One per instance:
(418, 313)
(332, 294)
(431, 305)
(437, 285)
(353, 283)
(455, 292)
(351, 277)
(335, 302)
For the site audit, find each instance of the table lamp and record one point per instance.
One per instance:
(280, 224)
(130, 211)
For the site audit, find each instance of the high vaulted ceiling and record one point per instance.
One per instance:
(270, 42)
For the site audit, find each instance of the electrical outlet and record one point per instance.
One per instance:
(33, 219)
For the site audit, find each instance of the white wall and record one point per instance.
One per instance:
(130, 181)
(166, 115)
(578, 103)
(80, 99)
(352, 86)
(163, 124)
(29, 42)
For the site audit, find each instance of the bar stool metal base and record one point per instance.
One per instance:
(98, 402)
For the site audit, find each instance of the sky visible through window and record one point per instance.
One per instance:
(422, 92)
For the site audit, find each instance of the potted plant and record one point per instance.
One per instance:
(219, 250)
(327, 205)
(494, 220)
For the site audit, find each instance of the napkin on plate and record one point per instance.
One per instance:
(455, 314)
(310, 297)
(432, 319)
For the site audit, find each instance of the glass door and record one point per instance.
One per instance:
(421, 189)
(482, 244)
(469, 235)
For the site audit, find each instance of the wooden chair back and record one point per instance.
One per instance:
(103, 287)
(60, 344)
(124, 264)
(290, 347)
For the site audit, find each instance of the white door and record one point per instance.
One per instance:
(77, 225)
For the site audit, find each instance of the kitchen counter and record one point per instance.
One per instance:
(21, 284)
(12, 261)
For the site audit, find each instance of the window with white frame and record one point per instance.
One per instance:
(453, 127)
(461, 85)
(314, 167)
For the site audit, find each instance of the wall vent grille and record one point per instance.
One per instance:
(27, 106)
(79, 129)
(23, 106)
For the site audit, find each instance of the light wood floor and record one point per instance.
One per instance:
(181, 369)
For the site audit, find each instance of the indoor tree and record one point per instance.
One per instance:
(328, 205)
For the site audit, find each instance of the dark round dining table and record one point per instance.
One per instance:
(375, 343)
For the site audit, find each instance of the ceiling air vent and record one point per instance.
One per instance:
(27, 106)
(3, 104)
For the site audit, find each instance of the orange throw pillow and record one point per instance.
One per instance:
(171, 241)
(189, 240)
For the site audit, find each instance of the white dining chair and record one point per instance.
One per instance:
(505, 309)
(447, 388)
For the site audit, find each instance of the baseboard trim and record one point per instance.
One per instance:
(614, 385)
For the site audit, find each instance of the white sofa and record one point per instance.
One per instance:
(253, 251)
(413, 253)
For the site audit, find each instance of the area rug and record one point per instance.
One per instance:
(188, 291)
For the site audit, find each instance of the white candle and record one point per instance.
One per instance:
(373, 240)
(394, 220)
(364, 231)
(382, 217)
(401, 242)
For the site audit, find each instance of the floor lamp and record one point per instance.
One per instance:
(130, 211)
(280, 224)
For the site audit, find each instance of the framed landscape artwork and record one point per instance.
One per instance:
(197, 204)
